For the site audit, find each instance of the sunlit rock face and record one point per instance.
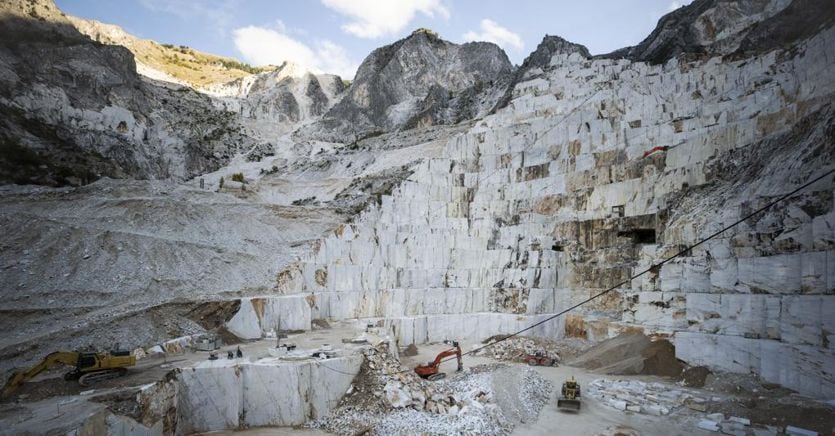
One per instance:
(595, 170)
(421, 80)
(556, 181)
(78, 111)
(724, 27)
(275, 103)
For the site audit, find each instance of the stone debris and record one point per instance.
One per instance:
(515, 349)
(387, 398)
(411, 350)
(797, 431)
(743, 421)
(618, 430)
(648, 398)
(708, 425)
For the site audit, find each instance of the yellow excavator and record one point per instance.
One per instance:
(89, 367)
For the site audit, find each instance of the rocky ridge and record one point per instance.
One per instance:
(90, 115)
(708, 28)
(166, 62)
(420, 80)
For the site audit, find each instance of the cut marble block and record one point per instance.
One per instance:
(260, 315)
(809, 370)
(218, 395)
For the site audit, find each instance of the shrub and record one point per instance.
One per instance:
(221, 183)
(238, 177)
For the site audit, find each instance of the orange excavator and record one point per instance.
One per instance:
(431, 370)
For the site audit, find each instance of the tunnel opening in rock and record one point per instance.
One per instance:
(639, 236)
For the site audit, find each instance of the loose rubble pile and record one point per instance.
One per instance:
(660, 399)
(629, 354)
(733, 425)
(515, 349)
(641, 397)
(387, 398)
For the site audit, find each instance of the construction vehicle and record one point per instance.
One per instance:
(538, 359)
(207, 342)
(431, 370)
(89, 367)
(570, 399)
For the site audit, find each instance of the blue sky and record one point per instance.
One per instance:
(335, 35)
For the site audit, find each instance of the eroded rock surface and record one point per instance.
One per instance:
(420, 80)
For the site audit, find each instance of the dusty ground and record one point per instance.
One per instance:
(594, 417)
(733, 395)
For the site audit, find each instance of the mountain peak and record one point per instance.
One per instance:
(425, 32)
(550, 46)
(420, 80)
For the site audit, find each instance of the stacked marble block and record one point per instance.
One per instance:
(219, 395)
(478, 242)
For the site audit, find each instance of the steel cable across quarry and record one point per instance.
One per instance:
(653, 267)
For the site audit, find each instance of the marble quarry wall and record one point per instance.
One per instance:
(217, 395)
(594, 171)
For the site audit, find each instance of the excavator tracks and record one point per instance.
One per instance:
(100, 376)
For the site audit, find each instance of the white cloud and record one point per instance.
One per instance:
(375, 18)
(491, 31)
(263, 46)
(677, 4)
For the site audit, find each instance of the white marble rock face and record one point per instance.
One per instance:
(219, 395)
(515, 220)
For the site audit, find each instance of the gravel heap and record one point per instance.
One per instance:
(641, 397)
(387, 398)
(516, 348)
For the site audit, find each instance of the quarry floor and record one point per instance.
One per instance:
(593, 418)
(49, 403)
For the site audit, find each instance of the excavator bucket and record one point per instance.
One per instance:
(568, 405)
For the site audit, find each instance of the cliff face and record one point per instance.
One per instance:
(719, 27)
(75, 110)
(278, 102)
(179, 64)
(587, 171)
(419, 81)
(595, 170)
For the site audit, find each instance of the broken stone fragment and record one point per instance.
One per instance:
(743, 421)
(716, 417)
(797, 431)
(708, 425)
(618, 404)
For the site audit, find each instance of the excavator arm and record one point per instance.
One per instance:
(446, 353)
(431, 369)
(19, 377)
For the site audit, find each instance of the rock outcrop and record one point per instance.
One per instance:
(167, 62)
(278, 102)
(418, 81)
(78, 111)
(540, 61)
(719, 27)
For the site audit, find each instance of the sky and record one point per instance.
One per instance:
(334, 36)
